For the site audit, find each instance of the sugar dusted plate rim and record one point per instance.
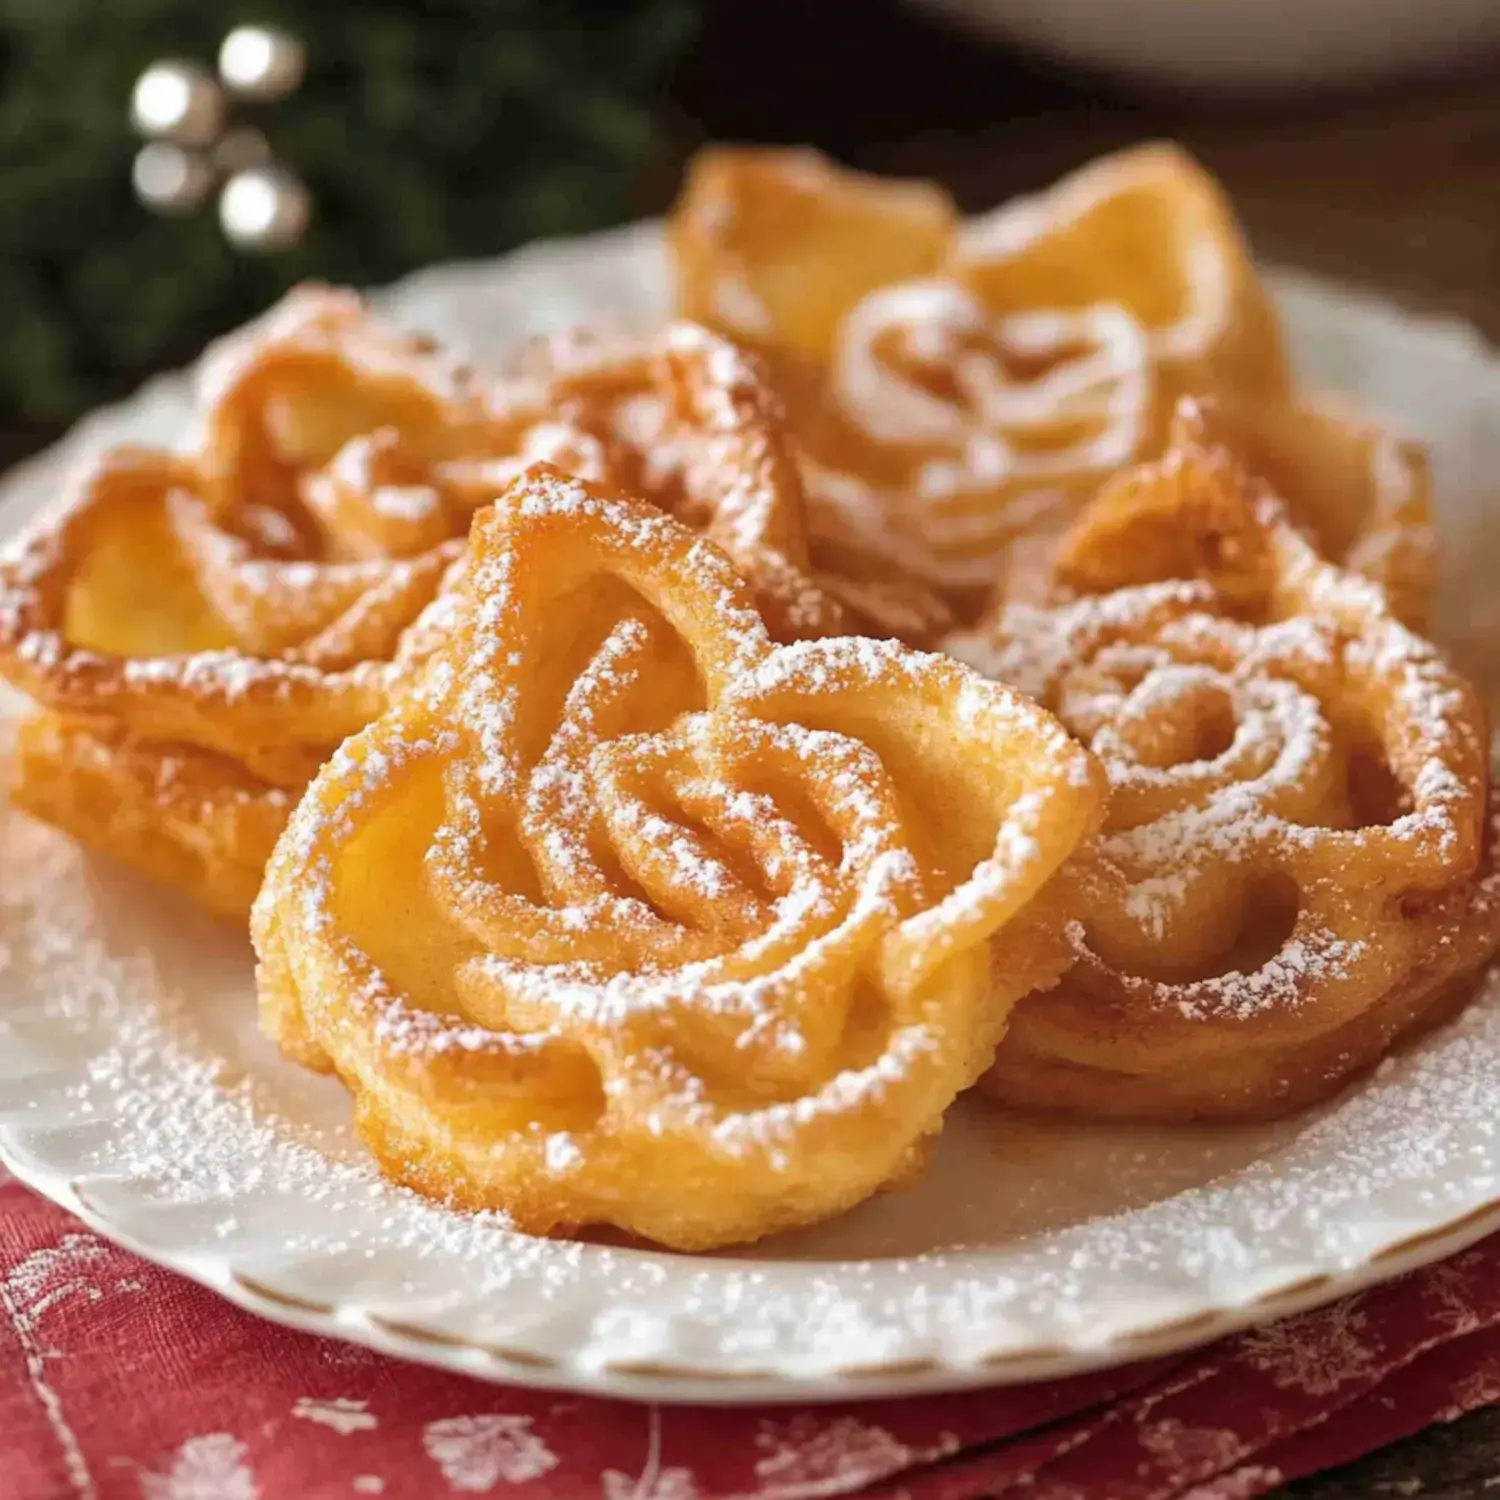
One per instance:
(1403, 1170)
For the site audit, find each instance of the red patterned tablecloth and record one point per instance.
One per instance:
(119, 1380)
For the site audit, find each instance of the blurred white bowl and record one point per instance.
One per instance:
(1243, 45)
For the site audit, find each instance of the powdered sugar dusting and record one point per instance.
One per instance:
(248, 1154)
(1230, 749)
(1018, 411)
(655, 917)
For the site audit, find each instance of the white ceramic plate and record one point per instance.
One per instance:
(135, 1090)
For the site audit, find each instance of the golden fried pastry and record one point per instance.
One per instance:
(263, 598)
(1297, 863)
(249, 598)
(692, 423)
(1363, 496)
(188, 687)
(631, 917)
(187, 817)
(954, 389)
(327, 433)
(202, 629)
(775, 246)
(130, 612)
(1147, 231)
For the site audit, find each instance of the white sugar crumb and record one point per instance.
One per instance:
(846, 1091)
(358, 467)
(205, 1128)
(1034, 647)
(704, 874)
(1283, 984)
(562, 1153)
(406, 502)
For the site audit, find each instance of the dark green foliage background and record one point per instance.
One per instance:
(424, 132)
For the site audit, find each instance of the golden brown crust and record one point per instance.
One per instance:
(956, 403)
(774, 246)
(1296, 867)
(631, 917)
(177, 814)
(269, 595)
(691, 422)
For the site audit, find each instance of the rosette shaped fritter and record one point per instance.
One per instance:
(1297, 867)
(629, 916)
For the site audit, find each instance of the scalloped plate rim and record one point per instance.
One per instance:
(698, 1386)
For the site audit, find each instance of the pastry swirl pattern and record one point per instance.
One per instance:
(631, 917)
(1296, 866)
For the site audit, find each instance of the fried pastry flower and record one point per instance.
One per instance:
(691, 422)
(201, 629)
(958, 392)
(1363, 496)
(956, 385)
(1297, 866)
(631, 917)
(237, 612)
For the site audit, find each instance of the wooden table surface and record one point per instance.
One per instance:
(1396, 190)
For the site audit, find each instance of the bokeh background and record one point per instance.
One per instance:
(1360, 138)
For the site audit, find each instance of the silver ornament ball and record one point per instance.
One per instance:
(169, 179)
(264, 208)
(177, 101)
(259, 62)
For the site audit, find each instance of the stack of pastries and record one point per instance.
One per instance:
(662, 774)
